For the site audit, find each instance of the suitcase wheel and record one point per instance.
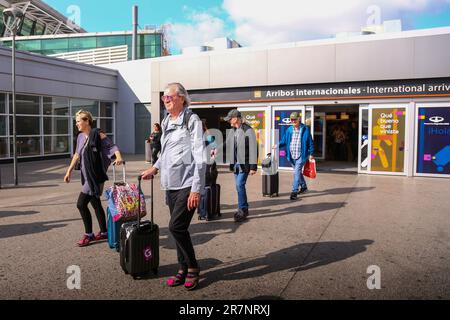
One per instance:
(155, 271)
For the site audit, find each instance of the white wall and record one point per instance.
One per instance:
(134, 86)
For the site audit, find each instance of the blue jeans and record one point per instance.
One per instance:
(299, 180)
(240, 180)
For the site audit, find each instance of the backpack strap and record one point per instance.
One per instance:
(186, 117)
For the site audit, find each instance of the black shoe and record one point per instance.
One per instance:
(240, 215)
(293, 196)
(302, 190)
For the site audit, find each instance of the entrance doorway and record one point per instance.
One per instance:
(143, 126)
(336, 137)
(214, 119)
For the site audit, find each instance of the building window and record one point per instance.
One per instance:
(27, 146)
(4, 152)
(27, 27)
(82, 43)
(56, 144)
(39, 29)
(44, 123)
(86, 105)
(2, 103)
(3, 126)
(56, 125)
(55, 44)
(29, 45)
(106, 109)
(56, 106)
(4, 148)
(111, 41)
(25, 125)
(106, 120)
(25, 104)
(2, 26)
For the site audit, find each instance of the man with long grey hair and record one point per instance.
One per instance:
(182, 165)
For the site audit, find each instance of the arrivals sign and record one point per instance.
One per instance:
(433, 140)
(388, 139)
(334, 91)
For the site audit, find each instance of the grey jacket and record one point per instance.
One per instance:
(182, 162)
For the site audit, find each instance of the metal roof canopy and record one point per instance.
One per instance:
(55, 22)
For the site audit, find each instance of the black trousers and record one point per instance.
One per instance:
(155, 152)
(82, 205)
(180, 219)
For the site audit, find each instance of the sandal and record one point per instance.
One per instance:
(192, 280)
(177, 279)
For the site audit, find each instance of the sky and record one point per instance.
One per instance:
(252, 22)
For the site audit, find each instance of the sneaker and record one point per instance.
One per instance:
(86, 240)
(240, 215)
(101, 236)
(303, 190)
(293, 196)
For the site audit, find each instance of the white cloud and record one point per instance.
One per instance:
(268, 21)
(202, 27)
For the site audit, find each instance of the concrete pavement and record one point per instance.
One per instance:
(318, 247)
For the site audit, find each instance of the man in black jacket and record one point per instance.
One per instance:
(244, 159)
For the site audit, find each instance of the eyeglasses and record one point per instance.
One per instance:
(166, 98)
(293, 120)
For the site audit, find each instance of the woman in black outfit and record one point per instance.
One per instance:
(155, 142)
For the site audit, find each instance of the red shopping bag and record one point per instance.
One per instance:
(309, 169)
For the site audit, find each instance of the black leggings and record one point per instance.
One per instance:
(82, 205)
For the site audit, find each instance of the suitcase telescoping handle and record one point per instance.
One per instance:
(139, 200)
(123, 172)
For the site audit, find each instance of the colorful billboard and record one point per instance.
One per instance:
(433, 140)
(388, 139)
(282, 122)
(257, 120)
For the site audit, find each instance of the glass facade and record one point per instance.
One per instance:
(44, 124)
(149, 45)
(2, 27)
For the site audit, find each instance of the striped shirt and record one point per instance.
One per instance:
(295, 146)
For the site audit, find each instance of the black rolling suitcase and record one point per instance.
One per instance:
(139, 244)
(209, 207)
(270, 177)
(270, 185)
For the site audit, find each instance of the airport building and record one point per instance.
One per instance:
(376, 104)
(388, 93)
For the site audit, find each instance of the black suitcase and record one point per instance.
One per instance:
(270, 185)
(209, 207)
(139, 244)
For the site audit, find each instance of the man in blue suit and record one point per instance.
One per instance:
(299, 147)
